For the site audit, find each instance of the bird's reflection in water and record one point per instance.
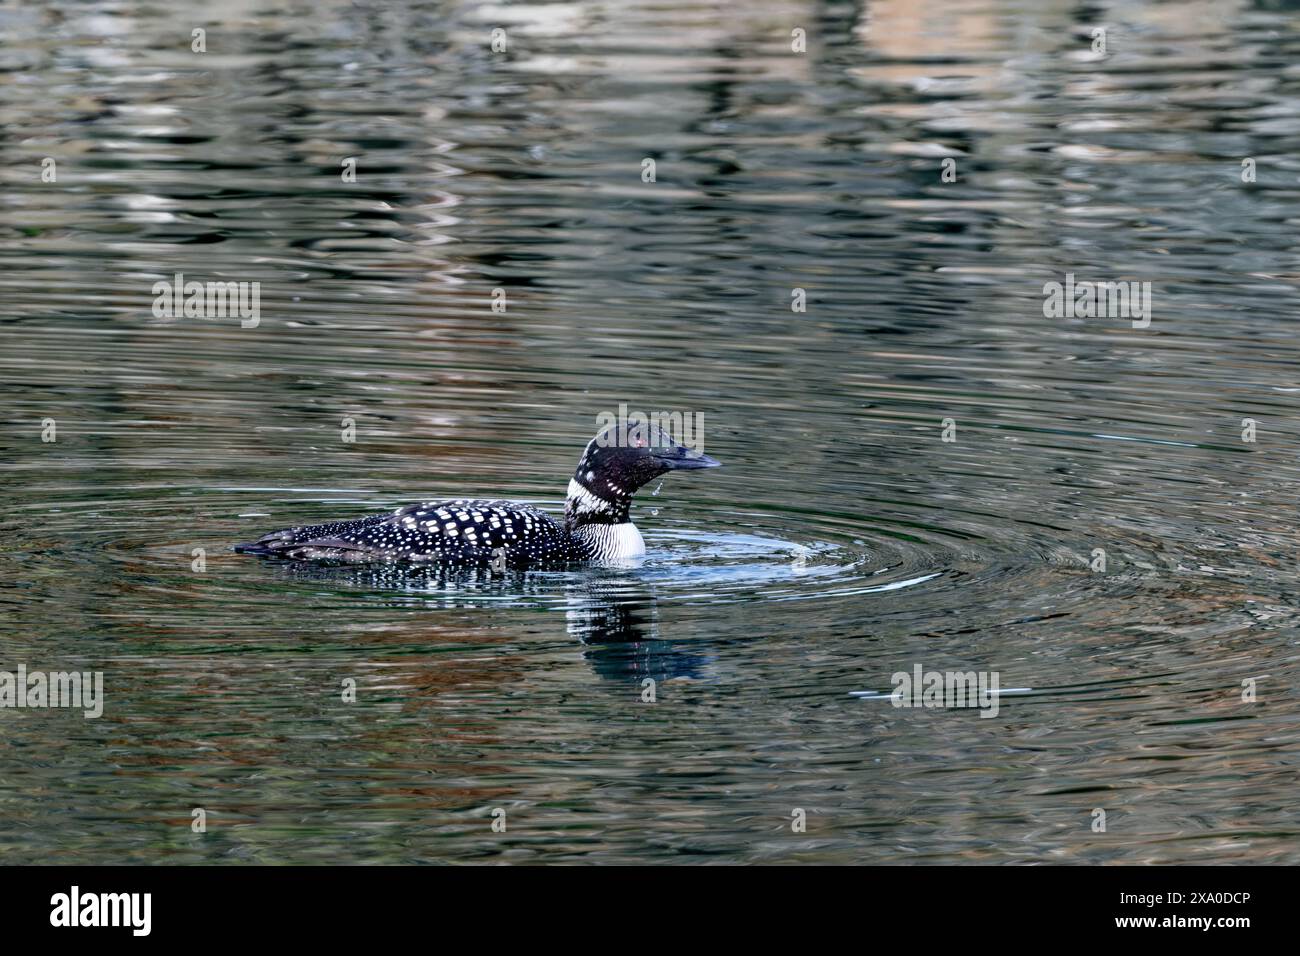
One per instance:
(613, 612)
(617, 616)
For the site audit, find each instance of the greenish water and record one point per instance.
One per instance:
(844, 541)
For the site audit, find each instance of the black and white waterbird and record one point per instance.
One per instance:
(472, 531)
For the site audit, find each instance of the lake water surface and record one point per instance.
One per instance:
(844, 541)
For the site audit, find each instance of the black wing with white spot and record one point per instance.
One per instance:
(461, 531)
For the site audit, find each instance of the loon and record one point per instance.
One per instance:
(473, 531)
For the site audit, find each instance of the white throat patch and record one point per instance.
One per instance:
(584, 501)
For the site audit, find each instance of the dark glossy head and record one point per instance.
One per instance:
(622, 458)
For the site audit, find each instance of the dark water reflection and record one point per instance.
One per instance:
(844, 540)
